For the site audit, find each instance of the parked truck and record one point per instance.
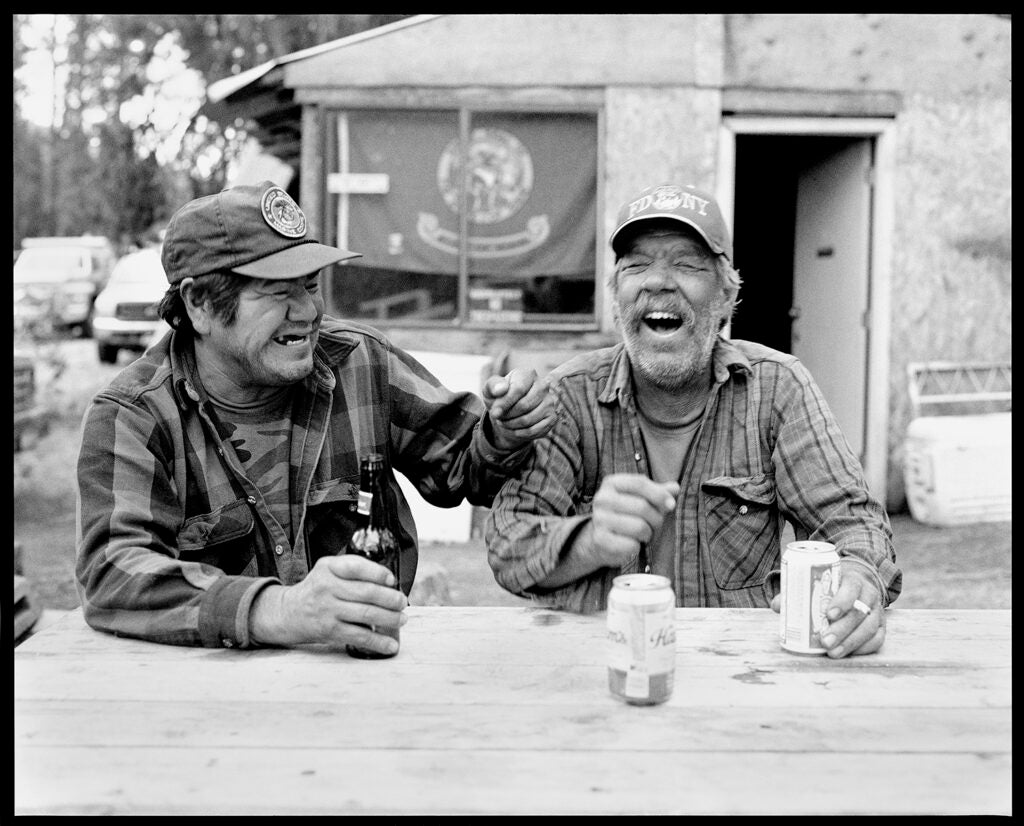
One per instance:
(57, 279)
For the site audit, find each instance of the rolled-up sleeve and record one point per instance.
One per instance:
(537, 515)
(821, 484)
(442, 438)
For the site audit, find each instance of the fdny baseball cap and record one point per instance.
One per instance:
(687, 204)
(257, 231)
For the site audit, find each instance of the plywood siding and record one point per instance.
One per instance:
(952, 294)
(960, 54)
(520, 49)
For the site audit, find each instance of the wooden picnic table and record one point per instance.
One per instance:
(507, 710)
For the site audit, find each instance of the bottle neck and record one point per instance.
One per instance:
(371, 508)
(378, 506)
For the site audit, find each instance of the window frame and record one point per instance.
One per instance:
(465, 109)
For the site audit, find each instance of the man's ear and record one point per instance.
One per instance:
(731, 297)
(616, 314)
(612, 290)
(198, 312)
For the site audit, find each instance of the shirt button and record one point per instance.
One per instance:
(251, 500)
(743, 508)
(278, 550)
(636, 456)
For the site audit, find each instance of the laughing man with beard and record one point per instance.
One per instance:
(680, 452)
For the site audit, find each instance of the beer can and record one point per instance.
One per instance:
(810, 578)
(641, 639)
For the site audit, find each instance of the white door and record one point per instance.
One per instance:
(830, 281)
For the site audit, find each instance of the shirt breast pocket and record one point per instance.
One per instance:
(330, 516)
(742, 528)
(221, 538)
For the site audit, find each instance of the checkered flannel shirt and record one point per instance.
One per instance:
(768, 449)
(174, 541)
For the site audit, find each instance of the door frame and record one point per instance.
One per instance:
(883, 133)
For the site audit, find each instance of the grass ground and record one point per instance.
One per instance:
(966, 566)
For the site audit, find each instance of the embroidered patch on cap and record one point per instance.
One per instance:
(667, 197)
(282, 213)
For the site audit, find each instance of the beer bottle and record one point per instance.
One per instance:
(373, 537)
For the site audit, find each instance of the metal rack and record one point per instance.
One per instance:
(957, 383)
(957, 465)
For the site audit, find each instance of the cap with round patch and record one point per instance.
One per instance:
(282, 213)
(258, 231)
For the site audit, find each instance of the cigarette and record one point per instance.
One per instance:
(862, 607)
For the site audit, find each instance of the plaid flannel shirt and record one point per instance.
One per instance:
(768, 449)
(174, 541)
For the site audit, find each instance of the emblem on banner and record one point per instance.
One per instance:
(282, 213)
(499, 180)
(535, 233)
(499, 176)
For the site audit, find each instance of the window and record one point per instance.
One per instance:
(474, 218)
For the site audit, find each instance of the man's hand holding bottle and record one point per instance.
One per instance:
(337, 602)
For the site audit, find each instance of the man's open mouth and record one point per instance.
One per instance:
(662, 322)
(291, 340)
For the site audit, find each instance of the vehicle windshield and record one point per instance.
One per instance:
(52, 264)
(139, 268)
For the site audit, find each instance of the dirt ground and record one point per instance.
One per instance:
(966, 566)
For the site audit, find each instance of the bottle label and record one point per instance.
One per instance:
(365, 500)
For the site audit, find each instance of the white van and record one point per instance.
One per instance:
(56, 281)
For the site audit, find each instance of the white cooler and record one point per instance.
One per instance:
(957, 469)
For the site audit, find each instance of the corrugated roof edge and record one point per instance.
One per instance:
(221, 89)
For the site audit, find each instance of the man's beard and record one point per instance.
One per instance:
(680, 361)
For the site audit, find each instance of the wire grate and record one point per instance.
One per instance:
(962, 386)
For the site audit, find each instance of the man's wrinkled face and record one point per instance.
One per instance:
(669, 303)
(271, 341)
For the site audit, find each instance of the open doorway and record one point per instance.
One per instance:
(801, 225)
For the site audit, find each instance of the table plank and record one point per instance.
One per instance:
(338, 678)
(599, 726)
(560, 659)
(922, 637)
(393, 781)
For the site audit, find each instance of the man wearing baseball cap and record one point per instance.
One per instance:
(219, 472)
(679, 452)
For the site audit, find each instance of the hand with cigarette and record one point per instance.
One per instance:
(627, 511)
(856, 615)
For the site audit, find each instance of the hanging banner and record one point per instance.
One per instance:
(528, 183)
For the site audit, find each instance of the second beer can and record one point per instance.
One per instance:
(641, 639)
(810, 578)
